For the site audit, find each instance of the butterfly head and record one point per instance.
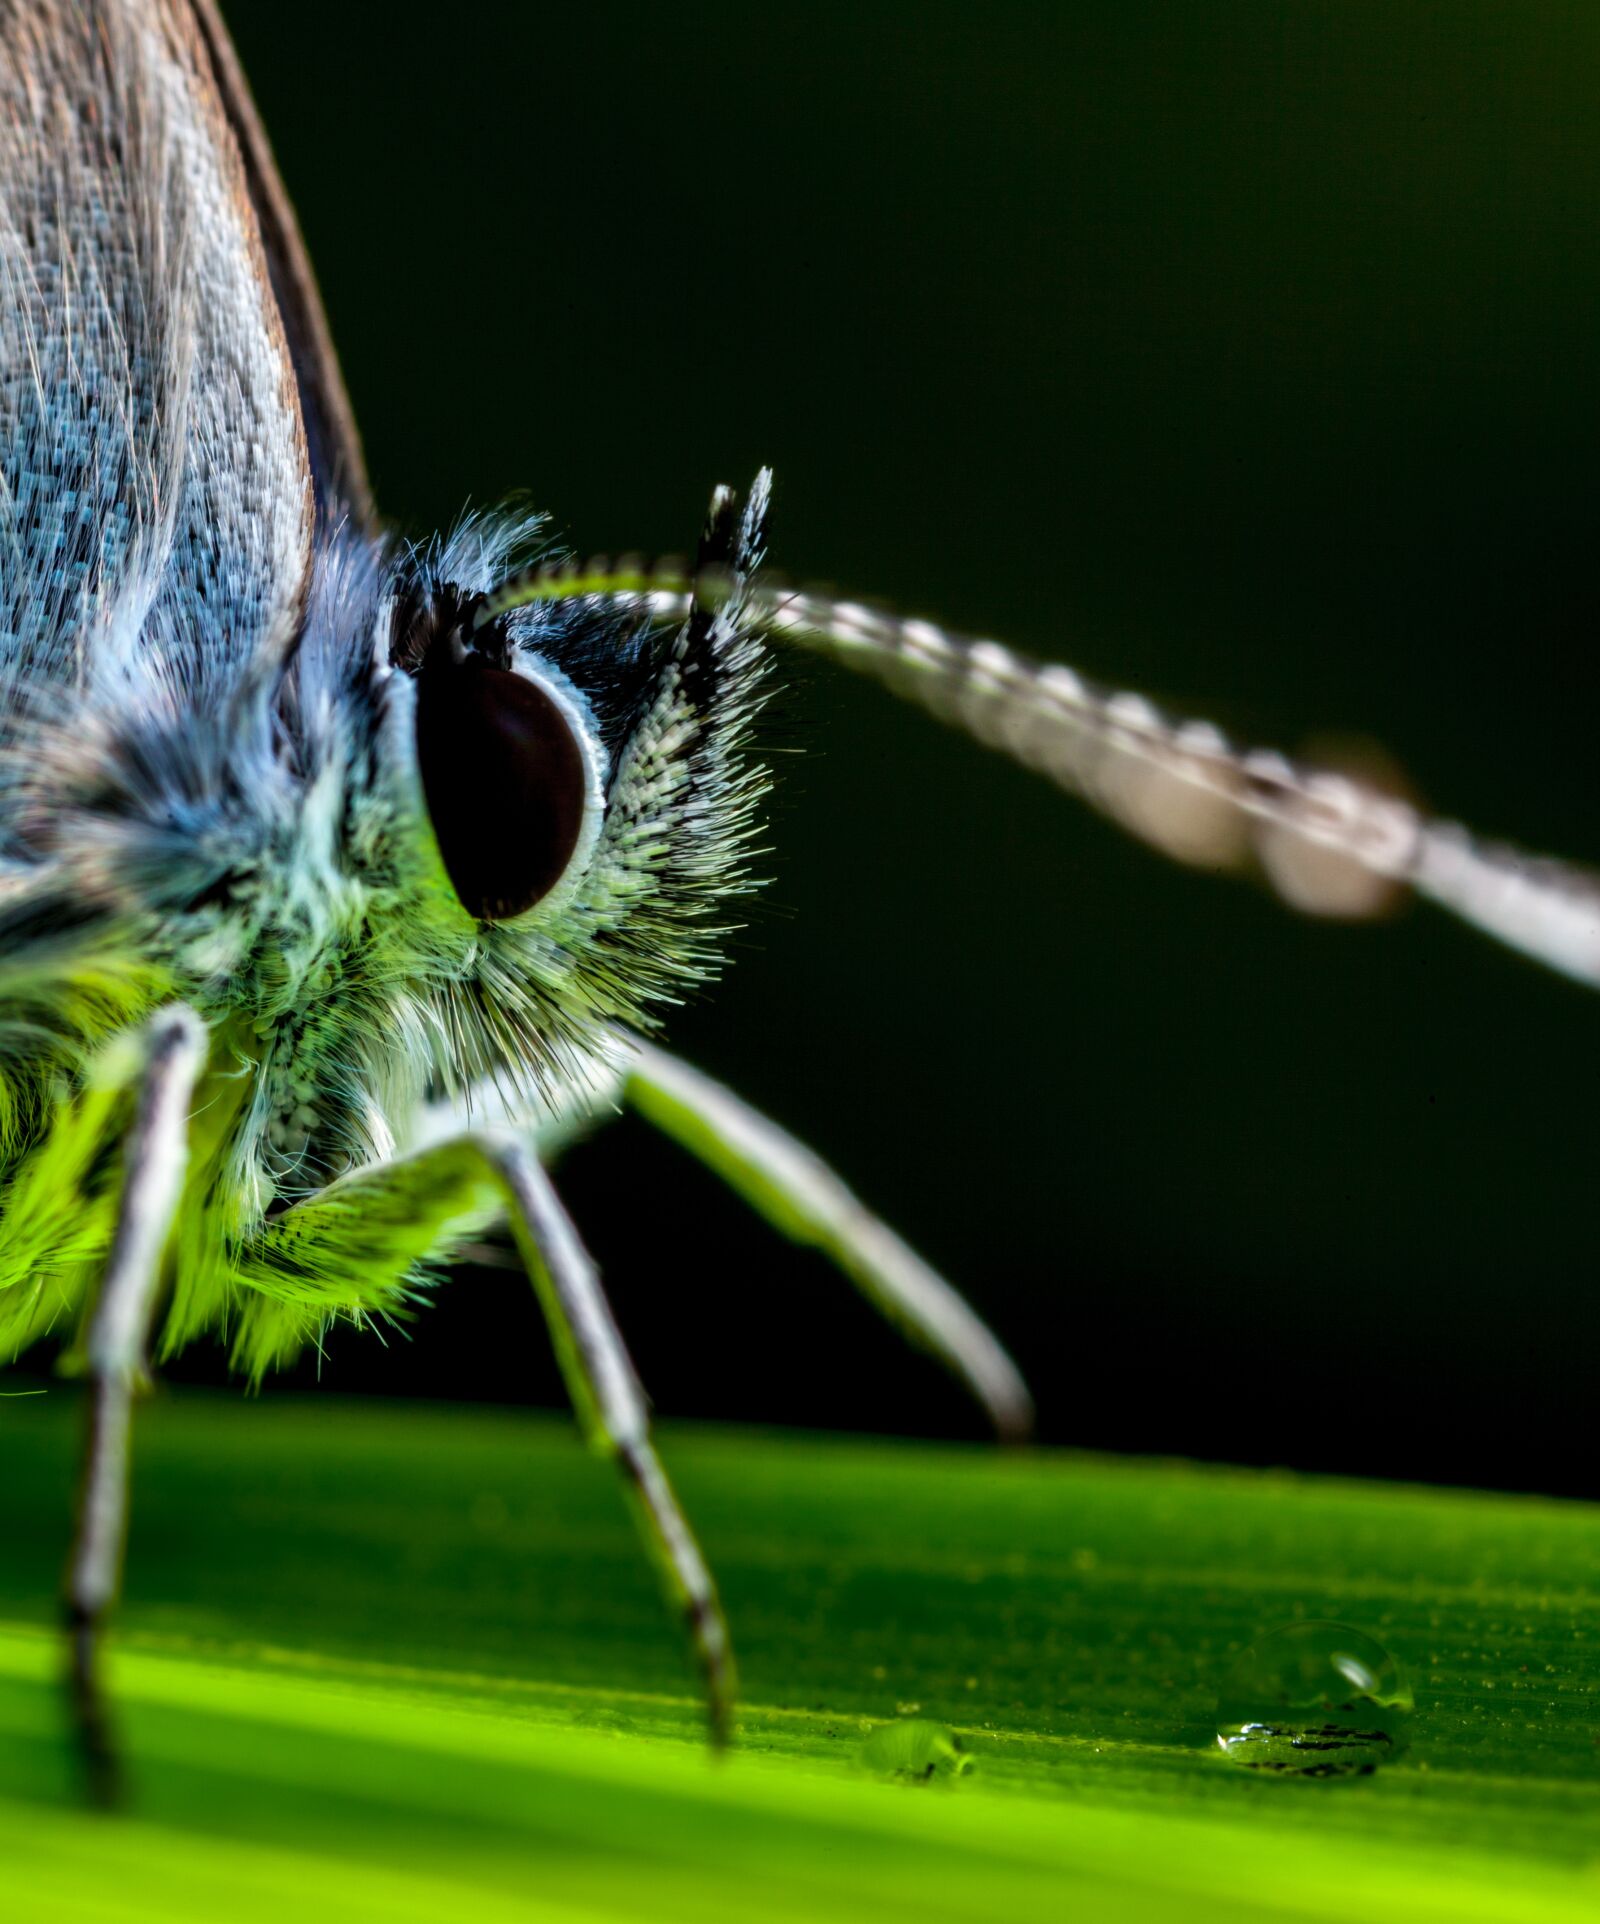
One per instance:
(579, 786)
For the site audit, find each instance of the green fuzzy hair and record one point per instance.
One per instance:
(68, 1059)
(364, 1247)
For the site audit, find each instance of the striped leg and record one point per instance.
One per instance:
(802, 1198)
(385, 1218)
(118, 1333)
(611, 1405)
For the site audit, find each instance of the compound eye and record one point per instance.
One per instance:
(507, 781)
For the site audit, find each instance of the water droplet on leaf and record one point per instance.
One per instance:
(1314, 1700)
(915, 1751)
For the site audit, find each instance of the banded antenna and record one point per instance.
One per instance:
(1328, 843)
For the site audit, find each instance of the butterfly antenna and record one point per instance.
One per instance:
(1329, 843)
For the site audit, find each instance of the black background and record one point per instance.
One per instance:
(1244, 354)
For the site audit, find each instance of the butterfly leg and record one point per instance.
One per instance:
(801, 1196)
(611, 1406)
(117, 1336)
(445, 1183)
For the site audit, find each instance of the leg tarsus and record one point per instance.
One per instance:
(99, 1764)
(689, 1581)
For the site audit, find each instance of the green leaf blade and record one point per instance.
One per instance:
(410, 1657)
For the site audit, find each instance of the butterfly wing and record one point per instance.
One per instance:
(156, 498)
(338, 467)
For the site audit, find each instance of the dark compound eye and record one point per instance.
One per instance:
(506, 781)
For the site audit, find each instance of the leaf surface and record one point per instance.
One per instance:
(408, 1662)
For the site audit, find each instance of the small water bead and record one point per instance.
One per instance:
(1314, 1699)
(916, 1751)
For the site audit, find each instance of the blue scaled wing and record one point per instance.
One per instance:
(157, 500)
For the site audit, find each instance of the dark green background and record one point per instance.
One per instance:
(1242, 353)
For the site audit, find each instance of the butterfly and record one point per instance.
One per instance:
(343, 877)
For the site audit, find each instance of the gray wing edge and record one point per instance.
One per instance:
(338, 466)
